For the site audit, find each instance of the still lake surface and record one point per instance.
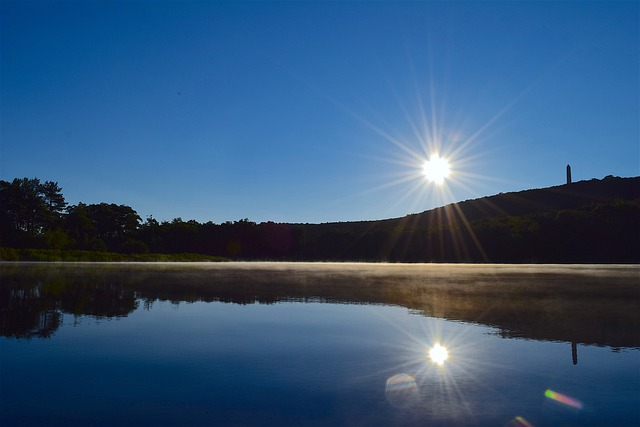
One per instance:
(282, 344)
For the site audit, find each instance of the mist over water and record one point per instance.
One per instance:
(318, 344)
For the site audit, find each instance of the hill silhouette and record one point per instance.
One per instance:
(594, 221)
(552, 199)
(586, 221)
(535, 201)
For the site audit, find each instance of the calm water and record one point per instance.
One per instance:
(318, 344)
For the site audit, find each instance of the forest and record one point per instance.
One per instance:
(593, 221)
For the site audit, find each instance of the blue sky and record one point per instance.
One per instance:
(314, 112)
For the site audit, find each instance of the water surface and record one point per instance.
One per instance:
(318, 344)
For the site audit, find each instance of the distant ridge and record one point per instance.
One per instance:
(533, 201)
(551, 199)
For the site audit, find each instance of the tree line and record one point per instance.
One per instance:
(34, 214)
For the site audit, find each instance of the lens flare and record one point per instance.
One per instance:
(564, 399)
(438, 354)
(401, 391)
(519, 422)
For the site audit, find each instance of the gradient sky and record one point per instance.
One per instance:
(314, 112)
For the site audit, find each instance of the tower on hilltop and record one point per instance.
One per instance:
(568, 174)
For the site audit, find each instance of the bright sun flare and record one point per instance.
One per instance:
(438, 354)
(436, 169)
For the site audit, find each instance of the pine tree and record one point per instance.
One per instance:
(53, 198)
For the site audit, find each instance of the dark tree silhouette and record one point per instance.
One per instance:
(24, 215)
(23, 205)
(81, 228)
(53, 198)
(104, 227)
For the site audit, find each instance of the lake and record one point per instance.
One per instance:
(319, 344)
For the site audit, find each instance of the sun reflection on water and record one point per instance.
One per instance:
(438, 372)
(438, 354)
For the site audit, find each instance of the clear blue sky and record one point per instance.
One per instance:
(314, 112)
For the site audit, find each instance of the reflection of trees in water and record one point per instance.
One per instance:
(98, 300)
(32, 307)
(24, 314)
(601, 309)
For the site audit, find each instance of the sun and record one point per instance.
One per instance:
(436, 169)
